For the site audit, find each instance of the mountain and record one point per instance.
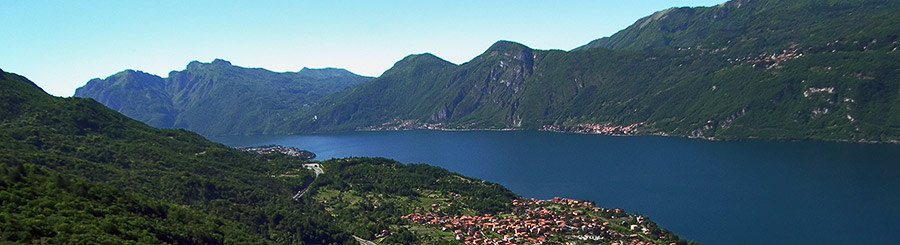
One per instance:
(755, 25)
(767, 69)
(427, 88)
(744, 69)
(217, 98)
(74, 171)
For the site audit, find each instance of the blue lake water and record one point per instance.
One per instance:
(711, 192)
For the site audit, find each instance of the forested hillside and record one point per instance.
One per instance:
(744, 69)
(768, 69)
(74, 171)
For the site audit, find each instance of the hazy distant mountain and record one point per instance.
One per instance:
(744, 69)
(217, 98)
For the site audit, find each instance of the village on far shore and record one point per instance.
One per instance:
(582, 128)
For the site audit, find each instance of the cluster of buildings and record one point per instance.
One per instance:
(770, 60)
(290, 151)
(584, 128)
(553, 221)
(592, 128)
(398, 124)
(775, 59)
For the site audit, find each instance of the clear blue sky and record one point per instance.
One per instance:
(60, 45)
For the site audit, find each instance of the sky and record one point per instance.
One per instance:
(60, 45)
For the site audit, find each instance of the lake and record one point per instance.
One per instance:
(711, 192)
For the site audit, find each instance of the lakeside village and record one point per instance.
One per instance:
(398, 124)
(592, 128)
(556, 221)
(583, 128)
(289, 151)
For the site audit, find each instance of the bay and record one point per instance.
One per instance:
(711, 192)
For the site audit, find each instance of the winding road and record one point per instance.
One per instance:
(363, 241)
(318, 170)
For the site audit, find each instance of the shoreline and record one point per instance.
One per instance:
(713, 139)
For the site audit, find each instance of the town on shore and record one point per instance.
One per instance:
(289, 151)
(582, 128)
(555, 221)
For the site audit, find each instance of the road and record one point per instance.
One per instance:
(315, 167)
(363, 241)
(318, 170)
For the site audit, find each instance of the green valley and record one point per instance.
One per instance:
(128, 159)
(74, 171)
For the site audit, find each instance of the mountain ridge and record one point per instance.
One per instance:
(216, 98)
(761, 80)
(729, 22)
(744, 69)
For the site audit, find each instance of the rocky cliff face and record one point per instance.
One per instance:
(491, 82)
(427, 89)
